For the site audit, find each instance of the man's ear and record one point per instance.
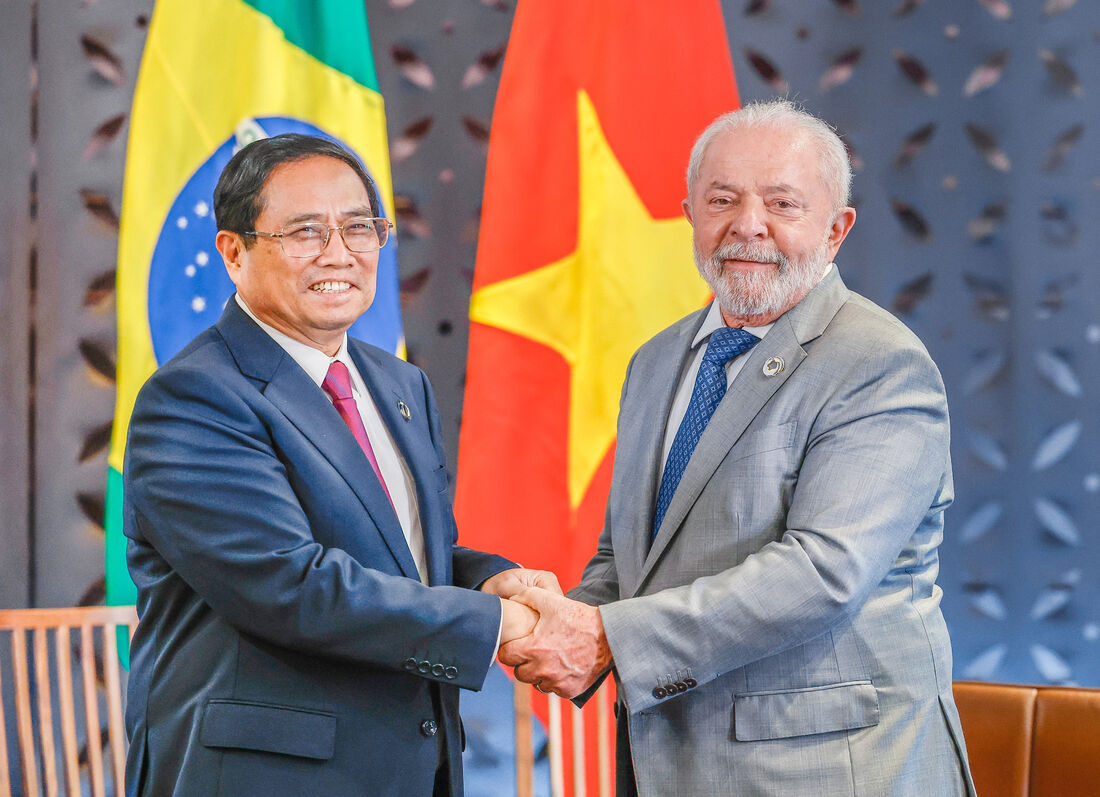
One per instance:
(686, 206)
(839, 229)
(230, 246)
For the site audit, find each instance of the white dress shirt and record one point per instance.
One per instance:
(395, 472)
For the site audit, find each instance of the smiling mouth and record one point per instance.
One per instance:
(750, 263)
(330, 286)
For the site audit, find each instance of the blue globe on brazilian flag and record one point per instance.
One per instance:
(215, 75)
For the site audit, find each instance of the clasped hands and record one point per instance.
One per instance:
(553, 642)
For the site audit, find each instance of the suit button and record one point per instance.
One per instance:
(691, 683)
(659, 692)
(680, 686)
(424, 667)
(450, 673)
(410, 664)
(437, 670)
(429, 728)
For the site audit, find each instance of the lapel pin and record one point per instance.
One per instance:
(404, 409)
(773, 366)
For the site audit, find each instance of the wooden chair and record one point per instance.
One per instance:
(88, 635)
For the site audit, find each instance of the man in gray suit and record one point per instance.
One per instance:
(766, 576)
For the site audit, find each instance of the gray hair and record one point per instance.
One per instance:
(834, 165)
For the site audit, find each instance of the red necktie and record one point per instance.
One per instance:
(338, 385)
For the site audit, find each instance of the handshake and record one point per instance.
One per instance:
(555, 643)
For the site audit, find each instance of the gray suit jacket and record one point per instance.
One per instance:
(782, 635)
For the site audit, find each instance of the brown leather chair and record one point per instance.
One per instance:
(1031, 741)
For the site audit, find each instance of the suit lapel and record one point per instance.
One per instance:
(747, 395)
(639, 448)
(388, 397)
(296, 396)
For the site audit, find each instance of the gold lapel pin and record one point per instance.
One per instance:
(404, 409)
(773, 366)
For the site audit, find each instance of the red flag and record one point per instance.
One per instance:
(655, 74)
(583, 255)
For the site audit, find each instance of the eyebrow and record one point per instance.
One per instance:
(298, 218)
(783, 188)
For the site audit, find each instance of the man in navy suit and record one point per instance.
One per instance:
(307, 618)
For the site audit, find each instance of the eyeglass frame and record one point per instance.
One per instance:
(328, 235)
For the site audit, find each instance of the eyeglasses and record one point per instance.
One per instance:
(361, 234)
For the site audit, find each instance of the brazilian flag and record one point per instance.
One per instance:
(217, 74)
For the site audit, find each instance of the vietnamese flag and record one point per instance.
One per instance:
(583, 255)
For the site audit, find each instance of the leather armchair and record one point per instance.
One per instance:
(1031, 741)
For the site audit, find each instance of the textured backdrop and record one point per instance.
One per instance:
(975, 131)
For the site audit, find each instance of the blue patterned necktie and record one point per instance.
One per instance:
(710, 385)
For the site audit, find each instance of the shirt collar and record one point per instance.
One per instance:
(313, 361)
(715, 321)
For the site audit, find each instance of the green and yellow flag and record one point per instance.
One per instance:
(215, 75)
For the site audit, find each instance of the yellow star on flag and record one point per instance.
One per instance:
(630, 276)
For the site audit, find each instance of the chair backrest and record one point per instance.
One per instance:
(57, 680)
(1031, 741)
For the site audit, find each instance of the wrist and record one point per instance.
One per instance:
(495, 584)
(604, 659)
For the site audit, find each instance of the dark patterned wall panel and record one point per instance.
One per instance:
(15, 299)
(438, 68)
(975, 128)
(87, 54)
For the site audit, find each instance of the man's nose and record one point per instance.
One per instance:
(749, 220)
(335, 250)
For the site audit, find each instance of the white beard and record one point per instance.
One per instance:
(757, 293)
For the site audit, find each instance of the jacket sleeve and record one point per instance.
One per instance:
(207, 489)
(875, 468)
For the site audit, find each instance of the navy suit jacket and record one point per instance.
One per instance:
(286, 644)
